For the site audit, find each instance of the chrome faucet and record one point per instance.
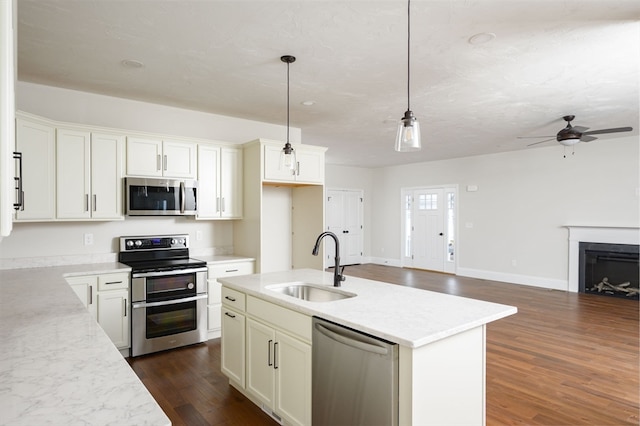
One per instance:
(337, 273)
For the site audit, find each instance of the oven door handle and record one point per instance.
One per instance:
(168, 302)
(165, 273)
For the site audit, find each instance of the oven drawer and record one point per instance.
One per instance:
(233, 298)
(113, 281)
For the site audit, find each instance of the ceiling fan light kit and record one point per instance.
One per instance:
(408, 135)
(571, 135)
(288, 154)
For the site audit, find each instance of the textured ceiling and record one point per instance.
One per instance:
(549, 58)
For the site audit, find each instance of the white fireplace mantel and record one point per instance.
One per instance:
(595, 234)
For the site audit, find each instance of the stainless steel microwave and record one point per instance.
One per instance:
(160, 197)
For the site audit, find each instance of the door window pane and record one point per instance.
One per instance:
(428, 201)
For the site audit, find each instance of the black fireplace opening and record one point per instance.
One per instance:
(609, 269)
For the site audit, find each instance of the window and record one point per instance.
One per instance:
(428, 201)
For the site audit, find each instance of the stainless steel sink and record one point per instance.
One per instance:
(310, 292)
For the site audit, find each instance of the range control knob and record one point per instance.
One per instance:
(173, 242)
(181, 241)
(129, 243)
(138, 243)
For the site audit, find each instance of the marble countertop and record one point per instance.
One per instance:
(57, 366)
(217, 259)
(408, 316)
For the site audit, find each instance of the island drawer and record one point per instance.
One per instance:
(233, 298)
(283, 318)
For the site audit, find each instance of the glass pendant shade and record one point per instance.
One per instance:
(288, 157)
(408, 136)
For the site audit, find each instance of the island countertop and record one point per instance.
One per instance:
(408, 316)
(57, 365)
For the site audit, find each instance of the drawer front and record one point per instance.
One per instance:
(113, 281)
(285, 319)
(230, 269)
(233, 298)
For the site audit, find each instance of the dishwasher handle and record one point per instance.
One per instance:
(346, 340)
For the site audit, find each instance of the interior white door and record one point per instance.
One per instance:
(344, 211)
(428, 229)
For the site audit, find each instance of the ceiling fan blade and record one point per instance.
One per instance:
(580, 129)
(536, 143)
(587, 138)
(534, 137)
(615, 130)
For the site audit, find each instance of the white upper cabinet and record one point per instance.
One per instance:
(155, 157)
(309, 167)
(37, 142)
(107, 157)
(89, 172)
(219, 182)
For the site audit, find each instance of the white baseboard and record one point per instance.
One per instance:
(384, 261)
(534, 281)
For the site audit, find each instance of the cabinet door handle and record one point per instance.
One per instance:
(113, 282)
(269, 363)
(231, 270)
(158, 166)
(229, 315)
(164, 162)
(125, 307)
(230, 298)
(19, 204)
(275, 355)
(297, 168)
(223, 209)
(217, 204)
(86, 202)
(95, 202)
(90, 295)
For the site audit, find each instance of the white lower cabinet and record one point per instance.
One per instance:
(279, 372)
(214, 301)
(233, 345)
(106, 297)
(86, 288)
(275, 355)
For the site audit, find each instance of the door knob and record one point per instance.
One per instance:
(441, 234)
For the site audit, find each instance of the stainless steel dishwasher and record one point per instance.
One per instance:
(355, 377)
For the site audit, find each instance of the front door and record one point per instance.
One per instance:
(429, 228)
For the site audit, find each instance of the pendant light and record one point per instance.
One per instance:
(288, 154)
(408, 136)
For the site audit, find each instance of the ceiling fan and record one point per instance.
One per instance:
(571, 135)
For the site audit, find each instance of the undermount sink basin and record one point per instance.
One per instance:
(310, 292)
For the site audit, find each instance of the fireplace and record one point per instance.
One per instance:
(614, 235)
(609, 269)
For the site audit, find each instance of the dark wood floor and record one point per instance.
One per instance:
(564, 359)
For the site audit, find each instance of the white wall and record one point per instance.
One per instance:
(524, 199)
(64, 241)
(88, 108)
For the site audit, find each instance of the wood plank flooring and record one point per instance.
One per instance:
(564, 359)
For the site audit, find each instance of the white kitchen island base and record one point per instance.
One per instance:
(442, 341)
(443, 383)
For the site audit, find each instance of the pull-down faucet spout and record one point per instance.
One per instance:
(337, 274)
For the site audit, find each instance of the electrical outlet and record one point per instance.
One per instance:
(198, 235)
(88, 239)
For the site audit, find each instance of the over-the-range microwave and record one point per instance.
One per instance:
(160, 197)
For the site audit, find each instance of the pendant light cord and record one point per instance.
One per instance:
(287, 102)
(408, 53)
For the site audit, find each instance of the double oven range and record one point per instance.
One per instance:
(168, 293)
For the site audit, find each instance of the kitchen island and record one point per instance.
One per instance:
(57, 365)
(441, 338)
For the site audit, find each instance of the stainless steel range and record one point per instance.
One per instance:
(168, 293)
